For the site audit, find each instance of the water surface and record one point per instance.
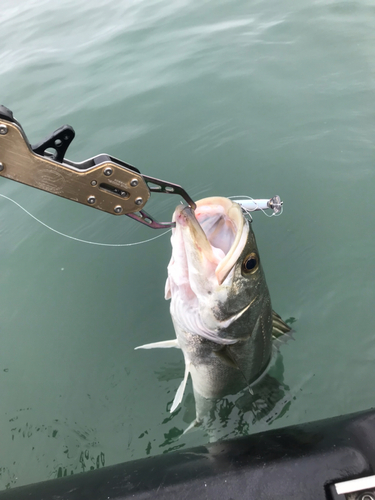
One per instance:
(226, 98)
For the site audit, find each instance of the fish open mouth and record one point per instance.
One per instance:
(218, 230)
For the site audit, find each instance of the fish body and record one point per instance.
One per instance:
(220, 303)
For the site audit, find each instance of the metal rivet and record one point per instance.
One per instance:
(108, 171)
(1, 167)
(118, 209)
(3, 129)
(138, 201)
(91, 200)
(134, 182)
(93, 183)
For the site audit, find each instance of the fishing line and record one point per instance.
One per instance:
(79, 239)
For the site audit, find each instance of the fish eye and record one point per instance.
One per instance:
(250, 263)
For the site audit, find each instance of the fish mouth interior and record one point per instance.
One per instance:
(219, 230)
(225, 229)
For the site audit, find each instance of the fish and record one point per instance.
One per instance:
(220, 303)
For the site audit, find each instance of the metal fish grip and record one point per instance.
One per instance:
(159, 186)
(102, 182)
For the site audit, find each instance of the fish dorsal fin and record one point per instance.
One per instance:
(281, 332)
(180, 391)
(279, 327)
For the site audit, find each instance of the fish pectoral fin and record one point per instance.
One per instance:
(160, 345)
(181, 389)
(226, 357)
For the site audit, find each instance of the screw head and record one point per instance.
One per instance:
(1, 167)
(93, 183)
(118, 209)
(108, 171)
(3, 129)
(138, 201)
(91, 200)
(134, 182)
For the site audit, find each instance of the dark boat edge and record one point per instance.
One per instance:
(297, 462)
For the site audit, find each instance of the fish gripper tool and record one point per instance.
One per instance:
(102, 182)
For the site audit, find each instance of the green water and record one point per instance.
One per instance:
(226, 98)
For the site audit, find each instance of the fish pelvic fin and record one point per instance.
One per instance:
(160, 345)
(181, 389)
(193, 426)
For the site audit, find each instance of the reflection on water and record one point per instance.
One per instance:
(232, 416)
(224, 98)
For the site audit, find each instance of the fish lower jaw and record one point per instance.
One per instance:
(180, 218)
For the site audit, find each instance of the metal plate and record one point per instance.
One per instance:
(112, 193)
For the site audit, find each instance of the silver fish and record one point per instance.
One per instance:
(220, 303)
